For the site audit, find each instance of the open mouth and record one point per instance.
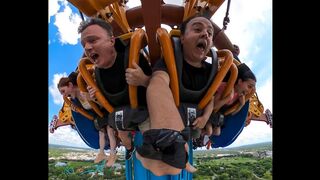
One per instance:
(202, 45)
(94, 56)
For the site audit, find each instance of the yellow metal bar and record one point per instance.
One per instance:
(123, 16)
(78, 109)
(188, 8)
(231, 81)
(89, 80)
(236, 106)
(228, 59)
(126, 36)
(135, 46)
(84, 6)
(82, 86)
(118, 19)
(168, 55)
(101, 4)
(175, 32)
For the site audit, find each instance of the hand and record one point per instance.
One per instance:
(85, 95)
(200, 122)
(230, 95)
(135, 76)
(242, 100)
(73, 107)
(92, 92)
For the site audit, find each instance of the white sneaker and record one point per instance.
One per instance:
(206, 139)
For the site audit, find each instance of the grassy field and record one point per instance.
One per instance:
(209, 164)
(233, 168)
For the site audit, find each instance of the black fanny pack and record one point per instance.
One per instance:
(126, 118)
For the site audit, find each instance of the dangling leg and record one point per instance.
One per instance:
(216, 131)
(208, 129)
(266, 117)
(113, 144)
(189, 167)
(269, 117)
(102, 142)
(127, 142)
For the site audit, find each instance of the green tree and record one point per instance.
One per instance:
(267, 175)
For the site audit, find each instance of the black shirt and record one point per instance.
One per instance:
(193, 78)
(114, 79)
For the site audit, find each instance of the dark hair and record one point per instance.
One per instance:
(64, 81)
(245, 73)
(100, 22)
(183, 25)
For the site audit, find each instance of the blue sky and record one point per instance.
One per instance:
(250, 28)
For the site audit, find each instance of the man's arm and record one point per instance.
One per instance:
(201, 121)
(136, 77)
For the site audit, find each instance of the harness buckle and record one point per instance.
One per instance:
(118, 118)
(191, 115)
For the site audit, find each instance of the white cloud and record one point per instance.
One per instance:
(255, 132)
(176, 2)
(67, 24)
(133, 3)
(53, 8)
(67, 136)
(57, 97)
(265, 94)
(248, 20)
(66, 21)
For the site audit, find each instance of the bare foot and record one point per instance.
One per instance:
(100, 157)
(190, 168)
(112, 159)
(157, 167)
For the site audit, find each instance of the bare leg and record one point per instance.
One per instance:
(208, 129)
(266, 117)
(125, 139)
(102, 142)
(262, 117)
(113, 152)
(127, 142)
(189, 167)
(216, 131)
(112, 138)
(163, 113)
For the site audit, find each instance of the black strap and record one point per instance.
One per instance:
(167, 145)
(226, 19)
